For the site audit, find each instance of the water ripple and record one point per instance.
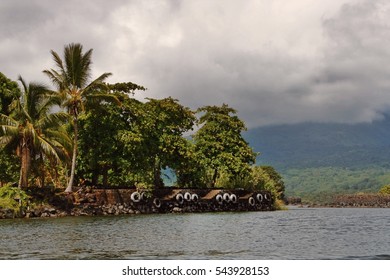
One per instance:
(295, 234)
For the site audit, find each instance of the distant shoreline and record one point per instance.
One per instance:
(362, 200)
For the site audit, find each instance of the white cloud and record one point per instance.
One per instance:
(275, 61)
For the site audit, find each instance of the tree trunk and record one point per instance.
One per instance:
(95, 177)
(215, 176)
(42, 171)
(25, 166)
(105, 176)
(74, 156)
(157, 173)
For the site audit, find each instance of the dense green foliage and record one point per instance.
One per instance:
(318, 183)
(267, 178)
(9, 91)
(115, 139)
(32, 129)
(12, 198)
(9, 166)
(159, 133)
(103, 157)
(220, 147)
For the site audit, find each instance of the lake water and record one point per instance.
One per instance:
(298, 233)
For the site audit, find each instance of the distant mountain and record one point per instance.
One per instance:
(318, 145)
(315, 158)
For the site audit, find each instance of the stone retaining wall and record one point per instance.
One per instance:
(88, 201)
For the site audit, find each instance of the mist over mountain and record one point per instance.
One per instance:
(318, 145)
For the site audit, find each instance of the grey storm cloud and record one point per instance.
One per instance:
(274, 61)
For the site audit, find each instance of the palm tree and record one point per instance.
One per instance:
(72, 80)
(32, 129)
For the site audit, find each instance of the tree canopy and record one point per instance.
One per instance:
(220, 145)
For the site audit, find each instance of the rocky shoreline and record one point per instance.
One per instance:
(88, 201)
(361, 200)
(366, 200)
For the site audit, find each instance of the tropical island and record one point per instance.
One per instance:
(85, 139)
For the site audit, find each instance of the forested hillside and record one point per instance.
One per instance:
(323, 158)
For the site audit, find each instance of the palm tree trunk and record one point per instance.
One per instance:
(74, 156)
(42, 170)
(24, 167)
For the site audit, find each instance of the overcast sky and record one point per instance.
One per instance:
(274, 61)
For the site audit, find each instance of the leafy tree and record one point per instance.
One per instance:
(267, 178)
(220, 145)
(9, 91)
(72, 80)
(277, 180)
(191, 173)
(32, 129)
(157, 136)
(9, 166)
(101, 149)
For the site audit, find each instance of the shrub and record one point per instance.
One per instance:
(385, 190)
(12, 197)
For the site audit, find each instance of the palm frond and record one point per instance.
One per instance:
(98, 83)
(6, 140)
(53, 120)
(60, 138)
(47, 104)
(10, 130)
(24, 85)
(58, 61)
(77, 65)
(7, 120)
(48, 148)
(56, 78)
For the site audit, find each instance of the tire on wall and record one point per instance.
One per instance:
(226, 197)
(195, 197)
(157, 202)
(135, 197)
(233, 198)
(187, 196)
(259, 197)
(219, 199)
(251, 201)
(179, 198)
